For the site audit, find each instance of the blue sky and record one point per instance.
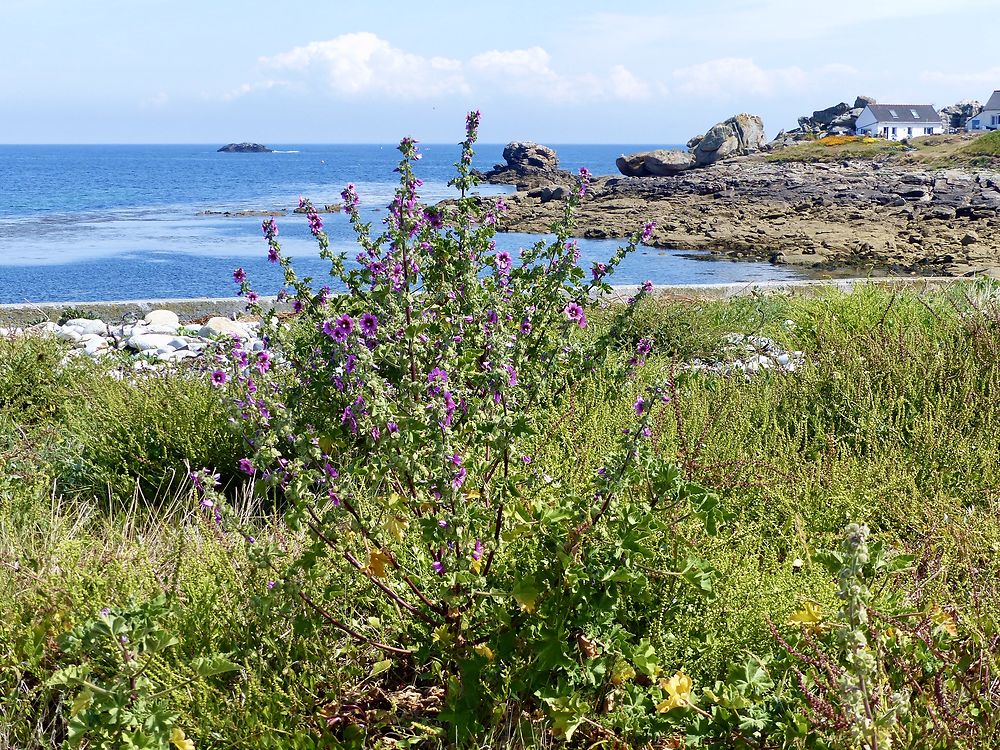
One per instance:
(207, 71)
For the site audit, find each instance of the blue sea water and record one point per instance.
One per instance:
(81, 223)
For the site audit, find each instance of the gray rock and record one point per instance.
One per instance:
(245, 148)
(863, 101)
(162, 318)
(739, 135)
(659, 163)
(87, 325)
(828, 115)
(217, 326)
(521, 155)
(143, 342)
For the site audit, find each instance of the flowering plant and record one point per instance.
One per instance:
(398, 419)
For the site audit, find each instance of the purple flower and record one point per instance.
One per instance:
(504, 262)
(392, 428)
(584, 181)
(598, 271)
(297, 306)
(219, 378)
(270, 585)
(477, 550)
(369, 325)
(459, 479)
(345, 323)
(640, 406)
(647, 231)
(263, 362)
(511, 375)
(315, 223)
(246, 466)
(647, 286)
(574, 311)
(525, 327)
(350, 196)
(270, 228)
(438, 567)
(252, 298)
(437, 375)
(239, 275)
(456, 459)
(272, 254)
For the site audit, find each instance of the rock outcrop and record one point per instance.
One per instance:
(957, 115)
(528, 165)
(659, 163)
(839, 119)
(738, 136)
(245, 148)
(858, 214)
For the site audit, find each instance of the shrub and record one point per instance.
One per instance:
(141, 434)
(399, 427)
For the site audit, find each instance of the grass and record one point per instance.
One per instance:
(931, 151)
(894, 420)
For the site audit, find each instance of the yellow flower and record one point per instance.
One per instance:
(484, 651)
(678, 690)
(178, 740)
(944, 621)
(622, 674)
(809, 617)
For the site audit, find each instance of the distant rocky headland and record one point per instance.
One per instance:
(245, 148)
(738, 196)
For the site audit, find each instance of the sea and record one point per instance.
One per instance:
(120, 222)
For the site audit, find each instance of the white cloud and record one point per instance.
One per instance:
(362, 63)
(156, 101)
(987, 77)
(736, 76)
(249, 88)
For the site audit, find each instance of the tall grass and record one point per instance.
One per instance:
(893, 421)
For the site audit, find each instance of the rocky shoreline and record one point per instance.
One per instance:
(857, 214)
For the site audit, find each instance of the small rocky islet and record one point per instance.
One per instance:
(725, 195)
(245, 148)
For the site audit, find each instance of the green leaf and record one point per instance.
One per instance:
(567, 714)
(380, 666)
(211, 666)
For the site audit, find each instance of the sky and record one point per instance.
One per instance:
(552, 71)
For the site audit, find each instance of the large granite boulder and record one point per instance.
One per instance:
(659, 163)
(840, 119)
(739, 135)
(957, 115)
(529, 155)
(528, 165)
(828, 115)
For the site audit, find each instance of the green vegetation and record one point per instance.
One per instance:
(930, 151)
(892, 422)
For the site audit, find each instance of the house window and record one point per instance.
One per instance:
(909, 132)
(928, 131)
(975, 124)
(894, 131)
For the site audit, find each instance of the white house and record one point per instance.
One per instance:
(989, 118)
(898, 121)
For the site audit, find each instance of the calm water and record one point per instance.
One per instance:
(82, 223)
